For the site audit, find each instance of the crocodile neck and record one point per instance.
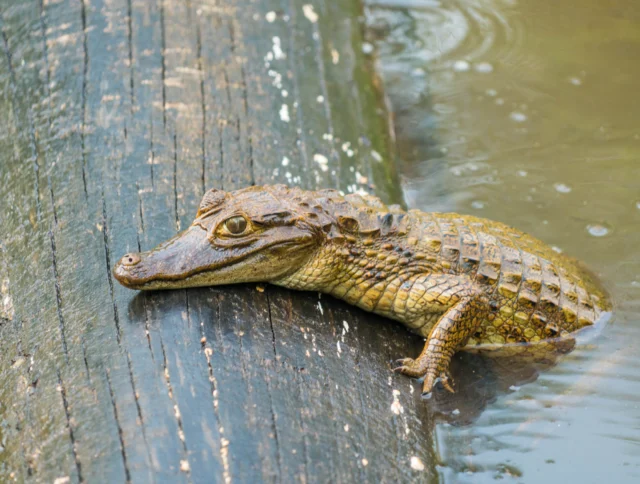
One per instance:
(372, 274)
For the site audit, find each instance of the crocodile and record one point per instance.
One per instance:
(461, 282)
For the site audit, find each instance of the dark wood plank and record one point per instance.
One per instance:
(116, 116)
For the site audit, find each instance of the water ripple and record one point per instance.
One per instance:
(449, 32)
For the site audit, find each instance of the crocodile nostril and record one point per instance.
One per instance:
(130, 259)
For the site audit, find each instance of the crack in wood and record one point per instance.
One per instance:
(85, 360)
(56, 278)
(141, 226)
(163, 53)
(85, 72)
(152, 153)
(147, 327)
(300, 119)
(203, 105)
(175, 181)
(243, 77)
(123, 451)
(208, 351)
(273, 333)
(274, 425)
(54, 211)
(65, 404)
(130, 42)
(107, 255)
(245, 96)
(305, 430)
(136, 398)
(176, 409)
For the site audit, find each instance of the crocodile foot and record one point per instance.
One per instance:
(421, 368)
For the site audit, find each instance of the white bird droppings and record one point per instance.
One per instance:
(396, 407)
(310, 13)
(284, 113)
(321, 160)
(277, 48)
(416, 463)
(270, 16)
(335, 56)
(277, 77)
(6, 303)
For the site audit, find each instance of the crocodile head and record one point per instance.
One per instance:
(250, 235)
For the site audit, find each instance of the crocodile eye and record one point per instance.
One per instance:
(236, 225)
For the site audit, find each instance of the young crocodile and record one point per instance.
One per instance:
(462, 282)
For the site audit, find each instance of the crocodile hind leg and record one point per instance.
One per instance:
(447, 336)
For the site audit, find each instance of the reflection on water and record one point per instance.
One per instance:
(528, 112)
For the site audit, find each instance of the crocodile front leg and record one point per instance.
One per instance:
(448, 335)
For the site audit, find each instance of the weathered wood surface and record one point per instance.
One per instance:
(115, 116)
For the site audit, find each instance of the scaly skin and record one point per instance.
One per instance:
(462, 282)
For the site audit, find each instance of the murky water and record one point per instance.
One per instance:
(528, 112)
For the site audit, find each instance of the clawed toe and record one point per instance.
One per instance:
(409, 367)
(430, 371)
(407, 370)
(431, 380)
(447, 383)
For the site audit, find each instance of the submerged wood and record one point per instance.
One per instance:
(116, 116)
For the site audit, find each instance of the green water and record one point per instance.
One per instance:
(527, 112)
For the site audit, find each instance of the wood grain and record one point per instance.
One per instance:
(116, 116)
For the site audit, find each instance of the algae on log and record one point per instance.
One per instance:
(116, 115)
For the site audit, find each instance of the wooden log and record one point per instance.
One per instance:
(116, 115)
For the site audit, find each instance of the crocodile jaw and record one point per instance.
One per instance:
(189, 260)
